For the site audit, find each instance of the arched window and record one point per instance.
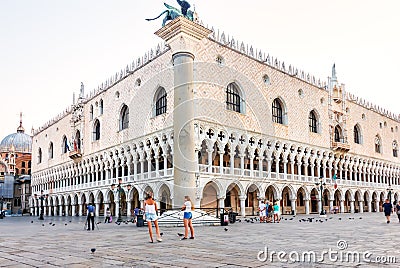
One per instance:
(338, 134)
(378, 144)
(101, 107)
(233, 98)
(124, 118)
(277, 111)
(40, 155)
(91, 112)
(65, 146)
(357, 134)
(313, 122)
(395, 147)
(160, 101)
(96, 130)
(51, 150)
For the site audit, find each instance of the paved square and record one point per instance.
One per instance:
(65, 243)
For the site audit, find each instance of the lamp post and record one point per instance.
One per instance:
(321, 184)
(1, 207)
(1, 200)
(390, 189)
(42, 197)
(119, 190)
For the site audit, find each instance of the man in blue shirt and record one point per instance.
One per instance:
(387, 209)
(90, 216)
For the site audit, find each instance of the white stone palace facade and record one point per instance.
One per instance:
(208, 116)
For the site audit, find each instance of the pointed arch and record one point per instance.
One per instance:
(279, 111)
(234, 98)
(313, 121)
(96, 130)
(357, 134)
(124, 118)
(160, 102)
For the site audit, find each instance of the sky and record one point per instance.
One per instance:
(47, 47)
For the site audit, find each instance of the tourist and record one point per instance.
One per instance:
(90, 216)
(136, 212)
(387, 209)
(276, 212)
(270, 211)
(108, 216)
(266, 210)
(187, 218)
(261, 209)
(150, 208)
(398, 210)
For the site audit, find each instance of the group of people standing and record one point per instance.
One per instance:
(269, 212)
(388, 209)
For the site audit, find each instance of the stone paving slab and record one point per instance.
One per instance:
(63, 242)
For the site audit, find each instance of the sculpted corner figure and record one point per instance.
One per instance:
(173, 13)
(184, 6)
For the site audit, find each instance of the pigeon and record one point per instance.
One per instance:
(65, 224)
(340, 219)
(50, 223)
(117, 223)
(70, 221)
(43, 224)
(300, 220)
(239, 220)
(226, 229)
(31, 221)
(161, 234)
(179, 234)
(360, 218)
(98, 222)
(290, 219)
(93, 250)
(53, 224)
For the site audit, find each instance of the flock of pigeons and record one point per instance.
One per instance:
(247, 220)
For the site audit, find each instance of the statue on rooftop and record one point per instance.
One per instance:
(172, 12)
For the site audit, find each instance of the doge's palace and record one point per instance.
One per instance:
(208, 116)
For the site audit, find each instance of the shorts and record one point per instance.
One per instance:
(387, 213)
(276, 212)
(187, 215)
(262, 213)
(151, 216)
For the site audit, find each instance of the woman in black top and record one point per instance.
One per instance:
(398, 210)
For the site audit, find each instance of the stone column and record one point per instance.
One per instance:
(66, 210)
(361, 206)
(341, 206)
(97, 209)
(319, 205)
(351, 206)
(221, 162)
(330, 204)
(157, 158)
(232, 163)
(269, 167)
(307, 206)
(293, 205)
(369, 203)
(285, 162)
(73, 210)
(378, 209)
(80, 210)
(292, 169)
(210, 162)
(299, 169)
(242, 206)
(60, 208)
(55, 210)
(129, 208)
(241, 164)
(183, 37)
(260, 165)
(221, 203)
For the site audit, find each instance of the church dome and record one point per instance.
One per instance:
(17, 142)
